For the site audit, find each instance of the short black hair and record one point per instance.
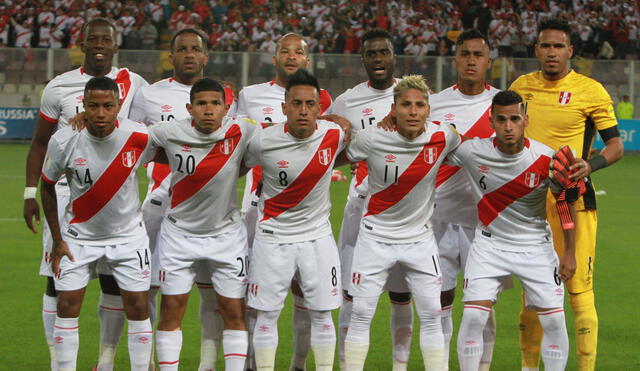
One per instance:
(375, 33)
(303, 78)
(505, 98)
(205, 40)
(472, 34)
(99, 20)
(206, 84)
(556, 24)
(102, 83)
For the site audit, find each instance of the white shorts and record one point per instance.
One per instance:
(453, 247)
(224, 254)
(314, 264)
(487, 267)
(47, 241)
(250, 220)
(153, 210)
(128, 262)
(373, 263)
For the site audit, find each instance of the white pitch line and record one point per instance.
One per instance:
(11, 220)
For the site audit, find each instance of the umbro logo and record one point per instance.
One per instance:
(449, 117)
(186, 148)
(283, 164)
(528, 96)
(80, 98)
(267, 110)
(483, 169)
(367, 112)
(80, 161)
(390, 158)
(166, 108)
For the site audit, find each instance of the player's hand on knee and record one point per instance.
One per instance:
(567, 267)
(78, 122)
(31, 211)
(388, 123)
(60, 250)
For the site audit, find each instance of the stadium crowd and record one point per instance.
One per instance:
(603, 28)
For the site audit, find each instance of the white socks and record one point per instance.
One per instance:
(265, 339)
(401, 331)
(356, 344)
(470, 343)
(211, 326)
(431, 338)
(555, 341)
(447, 332)
(250, 316)
(234, 344)
(140, 343)
(67, 342)
(111, 314)
(488, 341)
(343, 326)
(301, 333)
(168, 346)
(323, 339)
(49, 311)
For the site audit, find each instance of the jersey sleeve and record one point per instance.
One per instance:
(254, 149)
(325, 101)
(137, 112)
(457, 156)
(336, 108)
(242, 109)
(50, 107)
(158, 133)
(601, 108)
(358, 148)
(453, 138)
(53, 166)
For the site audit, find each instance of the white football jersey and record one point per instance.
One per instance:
(105, 207)
(509, 190)
(62, 97)
(204, 173)
(164, 100)
(470, 114)
(296, 175)
(402, 178)
(263, 103)
(363, 106)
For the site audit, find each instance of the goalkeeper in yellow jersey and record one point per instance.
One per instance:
(567, 108)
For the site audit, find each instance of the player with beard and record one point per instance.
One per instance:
(61, 100)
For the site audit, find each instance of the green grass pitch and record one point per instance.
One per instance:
(23, 347)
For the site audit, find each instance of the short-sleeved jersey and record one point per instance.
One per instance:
(470, 115)
(101, 172)
(566, 112)
(294, 204)
(164, 100)
(363, 106)
(63, 96)
(402, 180)
(509, 190)
(204, 172)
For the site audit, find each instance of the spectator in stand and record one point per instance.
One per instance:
(624, 109)
(148, 34)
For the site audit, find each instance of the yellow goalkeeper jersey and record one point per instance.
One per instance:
(566, 112)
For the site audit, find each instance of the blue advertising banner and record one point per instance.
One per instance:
(17, 122)
(629, 131)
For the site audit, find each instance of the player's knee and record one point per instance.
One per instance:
(475, 318)
(582, 302)
(50, 289)
(554, 323)
(108, 284)
(363, 311)
(136, 305)
(68, 306)
(400, 297)
(171, 311)
(232, 312)
(446, 297)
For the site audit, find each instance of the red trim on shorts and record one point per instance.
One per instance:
(112, 309)
(448, 307)
(235, 355)
(400, 302)
(47, 118)
(169, 363)
(300, 307)
(477, 307)
(550, 312)
(50, 311)
(44, 177)
(66, 328)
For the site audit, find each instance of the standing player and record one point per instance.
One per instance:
(567, 108)
(166, 100)
(395, 228)
(262, 103)
(293, 237)
(509, 178)
(61, 100)
(467, 106)
(364, 105)
(202, 226)
(102, 223)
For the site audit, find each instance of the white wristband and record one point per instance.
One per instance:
(30, 192)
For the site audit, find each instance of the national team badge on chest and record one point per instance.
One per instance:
(430, 155)
(324, 156)
(123, 90)
(129, 158)
(532, 179)
(564, 98)
(226, 147)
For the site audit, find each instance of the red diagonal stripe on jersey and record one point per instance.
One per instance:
(361, 172)
(481, 129)
(409, 178)
(123, 79)
(256, 177)
(109, 182)
(305, 181)
(494, 202)
(159, 173)
(206, 169)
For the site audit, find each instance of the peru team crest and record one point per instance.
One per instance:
(324, 156)
(564, 98)
(532, 179)
(227, 146)
(129, 158)
(430, 155)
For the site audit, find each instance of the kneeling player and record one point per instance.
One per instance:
(103, 222)
(293, 235)
(395, 229)
(509, 179)
(202, 224)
